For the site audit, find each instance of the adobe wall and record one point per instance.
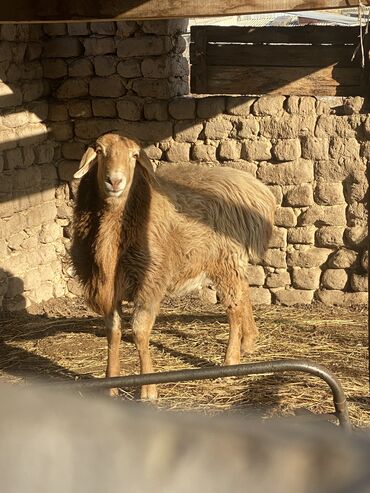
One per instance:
(133, 77)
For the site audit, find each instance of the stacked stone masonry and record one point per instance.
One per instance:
(75, 82)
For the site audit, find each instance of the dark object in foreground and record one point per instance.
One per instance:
(278, 366)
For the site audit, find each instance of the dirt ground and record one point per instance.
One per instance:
(63, 339)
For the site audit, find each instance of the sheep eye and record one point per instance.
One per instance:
(98, 150)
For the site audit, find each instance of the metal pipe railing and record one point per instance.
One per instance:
(278, 366)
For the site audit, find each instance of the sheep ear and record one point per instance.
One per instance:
(86, 163)
(146, 163)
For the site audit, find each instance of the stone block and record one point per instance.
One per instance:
(165, 66)
(247, 128)
(256, 275)
(73, 150)
(307, 256)
(129, 69)
(287, 126)
(80, 109)
(15, 119)
(306, 278)
(72, 88)
(161, 27)
(329, 193)
(301, 235)
(359, 282)
(156, 110)
(285, 217)
(356, 213)
(356, 237)
(62, 48)
(143, 46)
(153, 152)
(239, 105)
(108, 28)
(210, 107)
(339, 170)
(217, 128)
(230, 150)
(104, 107)
(278, 238)
(278, 279)
(315, 148)
(287, 149)
(329, 236)
(260, 296)
(343, 259)
(58, 112)
(330, 215)
(99, 46)
(66, 169)
(105, 65)
(78, 29)
(179, 152)
(290, 173)
(81, 67)
(299, 196)
(158, 88)
(61, 131)
(365, 260)
(275, 258)
(32, 90)
(203, 152)
(257, 150)
(277, 193)
(129, 109)
(13, 159)
(50, 232)
(269, 105)
(356, 192)
(334, 279)
(242, 165)
(106, 87)
(126, 28)
(187, 132)
(291, 297)
(341, 149)
(55, 29)
(334, 297)
(54, 68)
(182, 108)
(10, 96)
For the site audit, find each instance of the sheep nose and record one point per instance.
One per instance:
(114, 182)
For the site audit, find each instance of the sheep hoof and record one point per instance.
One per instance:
(149, 393)
(248, 345)
(231, 361)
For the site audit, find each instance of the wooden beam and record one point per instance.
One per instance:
(300, 81)
(86, 10)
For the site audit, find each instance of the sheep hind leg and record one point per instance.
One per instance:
(114, 332)
(142, 324)
(249, 328)
(230, 293)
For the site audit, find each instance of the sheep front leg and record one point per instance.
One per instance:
(143, 321)
(249, 328)
(235, 317)
(114, 332)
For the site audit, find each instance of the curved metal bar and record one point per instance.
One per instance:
(278, 366)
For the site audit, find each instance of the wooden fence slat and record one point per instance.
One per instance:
(328, 81)
(278, 56)
(199, 54)
(278, 34)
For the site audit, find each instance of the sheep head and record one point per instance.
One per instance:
(116, 157)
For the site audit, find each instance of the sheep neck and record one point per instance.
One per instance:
(122, 226)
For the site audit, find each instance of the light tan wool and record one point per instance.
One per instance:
(141, 234)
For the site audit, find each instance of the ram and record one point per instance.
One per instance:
(140, 235)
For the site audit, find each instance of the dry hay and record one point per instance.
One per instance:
(63, 339)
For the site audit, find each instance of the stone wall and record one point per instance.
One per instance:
(133, 77)
(30, 236)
